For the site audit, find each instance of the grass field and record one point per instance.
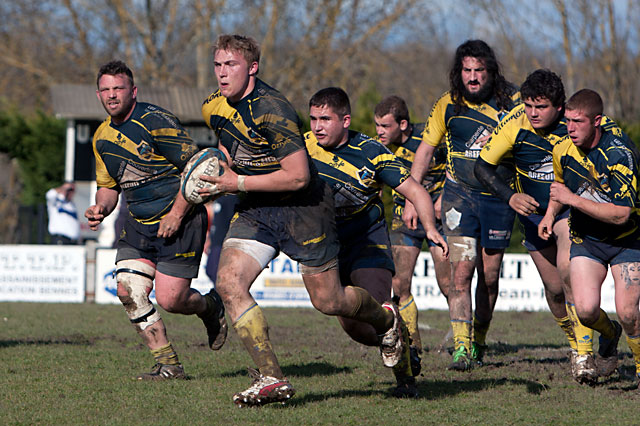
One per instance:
(73, 364)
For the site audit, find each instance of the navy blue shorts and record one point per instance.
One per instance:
(302, 226)
(177, 256)
(371, 249)
(604, 253)
(530, 230)
(469, 213)
(401, 235)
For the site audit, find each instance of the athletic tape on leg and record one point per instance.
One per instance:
(136, 277)
(462, 248)
(262, 253)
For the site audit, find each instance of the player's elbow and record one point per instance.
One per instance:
(621, 216)
(300, 181)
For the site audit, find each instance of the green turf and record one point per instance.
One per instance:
(73, 364)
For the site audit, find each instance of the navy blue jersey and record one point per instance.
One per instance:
(258, 131)
(462, 130)
(607, 173)
(356, 172)
(144, 157)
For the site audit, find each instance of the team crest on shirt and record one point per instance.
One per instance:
(366, 176)
(145, 151)
(336, 162)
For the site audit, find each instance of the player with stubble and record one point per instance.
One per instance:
(476, 223)
(140, 150)
(528, 134)
(282, 206)
(596, 176)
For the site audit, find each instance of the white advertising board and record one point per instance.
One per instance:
(39, 273)
(280, 284)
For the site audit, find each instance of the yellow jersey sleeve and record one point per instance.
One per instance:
(435, 128)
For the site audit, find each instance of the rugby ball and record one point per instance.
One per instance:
(205, 162)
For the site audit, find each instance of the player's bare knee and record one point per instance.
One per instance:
(135, 280)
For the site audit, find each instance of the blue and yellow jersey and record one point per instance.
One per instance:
(356, 172)
(258, 131)
(532, 152)
(607, 173)
(406, 153)
(144, 157)
(461, 131)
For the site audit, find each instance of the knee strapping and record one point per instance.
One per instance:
(462, 248)
(136, 278)
(262, 253)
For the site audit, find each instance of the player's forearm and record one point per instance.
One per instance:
(422, 161)
(107, 199)
(604, 212)
(420, 198)
(487, 174)
(553, 208)
(180, 206)
(277, 181)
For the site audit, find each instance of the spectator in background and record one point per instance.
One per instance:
(63, 215)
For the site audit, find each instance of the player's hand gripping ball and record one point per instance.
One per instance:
(205, 162)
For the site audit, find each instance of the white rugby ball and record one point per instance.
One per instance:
(205, 162)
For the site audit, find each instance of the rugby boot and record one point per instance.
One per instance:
(573, 357)
(477, 353)
(461, 360)
(406, 388)
(393, 342)
(214, 320)
(585, 372)
(416, 362)
(607, 359)
(164, 372)
(264, 390)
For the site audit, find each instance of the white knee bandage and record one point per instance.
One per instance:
(462, 248)
(262, 253)
(136, 278)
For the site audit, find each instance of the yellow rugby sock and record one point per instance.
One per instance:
(409, 313)
(480, 330)
(566, 325)
(367, 309)
(604, 326)
(461, 334)
(165, 355)
(584, 334)
(253, 330)
(634, 345)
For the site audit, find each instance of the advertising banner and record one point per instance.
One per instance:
(42, 273)
(280, 284)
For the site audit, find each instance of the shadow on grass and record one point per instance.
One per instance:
(309, 369)
(75, 339)
(429, 390)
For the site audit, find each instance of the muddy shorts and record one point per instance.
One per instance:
(370, 249)
(529, 225)
(177, 256)
(401, 235)
(469, 213)
(305, 229)
(604, 253)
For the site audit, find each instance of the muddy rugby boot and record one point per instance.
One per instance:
(607, 359)
(164, 372)
(214, 320)
(585, 372)
(392, 343)
(264, 390)
(461, 360)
